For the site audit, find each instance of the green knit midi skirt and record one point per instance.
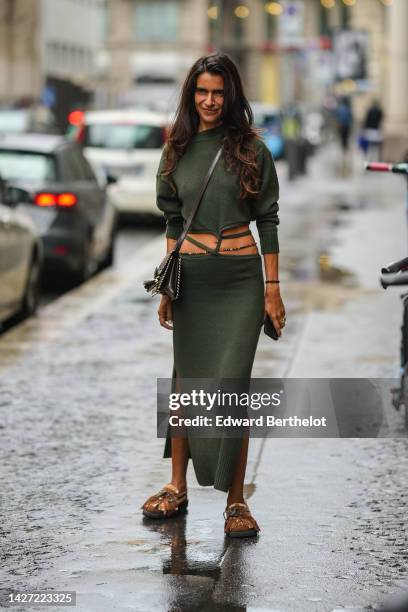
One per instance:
(217, 320)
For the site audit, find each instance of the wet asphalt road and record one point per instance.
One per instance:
(79, 455)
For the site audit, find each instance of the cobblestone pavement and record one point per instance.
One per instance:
(79, 452)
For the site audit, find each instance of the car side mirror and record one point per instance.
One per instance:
(111, 179)
(15, 195)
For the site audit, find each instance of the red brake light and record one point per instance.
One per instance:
(76, 120)
(56, 199)
(45, 199)
(66, 199)
(76, 117)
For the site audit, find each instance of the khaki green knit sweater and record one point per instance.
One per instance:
(220, 207)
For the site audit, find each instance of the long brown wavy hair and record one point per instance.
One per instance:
(239, 150)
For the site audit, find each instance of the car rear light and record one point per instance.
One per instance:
(65, 200)
(45, 199)
(60, 249)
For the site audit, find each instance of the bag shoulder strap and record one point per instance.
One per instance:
(198, 200)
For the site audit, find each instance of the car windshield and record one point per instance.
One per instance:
(269, 122)
(123, 136)
(266, 120)
(13, 121)
(27, 166)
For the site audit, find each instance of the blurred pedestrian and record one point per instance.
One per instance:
(291, 131)
(344, 121)
(344, 118)
(372, 131)
(217, 318)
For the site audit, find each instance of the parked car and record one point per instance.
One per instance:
(268, 117)
(36, 118)
(126, 144)
(21, 260)
(74, 216)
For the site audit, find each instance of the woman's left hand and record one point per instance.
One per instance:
(274, 307)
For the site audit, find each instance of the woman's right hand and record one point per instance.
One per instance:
(165, 312)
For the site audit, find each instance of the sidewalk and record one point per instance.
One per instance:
(339, 506)
(370, 232)
(79, 452)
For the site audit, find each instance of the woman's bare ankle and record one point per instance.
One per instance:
(181, 485)
(235, 499)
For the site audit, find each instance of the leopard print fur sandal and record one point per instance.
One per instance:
(168, 502)
(239, 522)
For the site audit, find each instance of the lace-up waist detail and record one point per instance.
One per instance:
(217, 249)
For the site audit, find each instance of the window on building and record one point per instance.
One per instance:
(344, 16)
(56, 55)
(156, 20)
(271, 27)
(238, 31)
(324, 28)
(64, 56)
(81, 59)
(89, 60)
(104, 22)
(50, 56)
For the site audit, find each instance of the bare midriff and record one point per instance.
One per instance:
(236, 244)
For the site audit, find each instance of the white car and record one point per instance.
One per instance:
(127, 145)
(21, 261)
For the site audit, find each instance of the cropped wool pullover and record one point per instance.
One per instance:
(220, 208)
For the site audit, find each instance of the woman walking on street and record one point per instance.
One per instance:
(217, 318)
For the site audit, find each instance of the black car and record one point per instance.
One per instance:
(71, 210)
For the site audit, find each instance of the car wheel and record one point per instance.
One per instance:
(32, 291)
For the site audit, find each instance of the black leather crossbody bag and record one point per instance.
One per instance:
(167, 275)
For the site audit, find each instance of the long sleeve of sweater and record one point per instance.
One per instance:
(265, 205)
(168, 202)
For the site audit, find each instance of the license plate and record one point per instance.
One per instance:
(42, 217)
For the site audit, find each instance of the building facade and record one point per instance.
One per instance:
(296, 50)
(128, 52)
(50, 52)
(20, 56)
(151, 43)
